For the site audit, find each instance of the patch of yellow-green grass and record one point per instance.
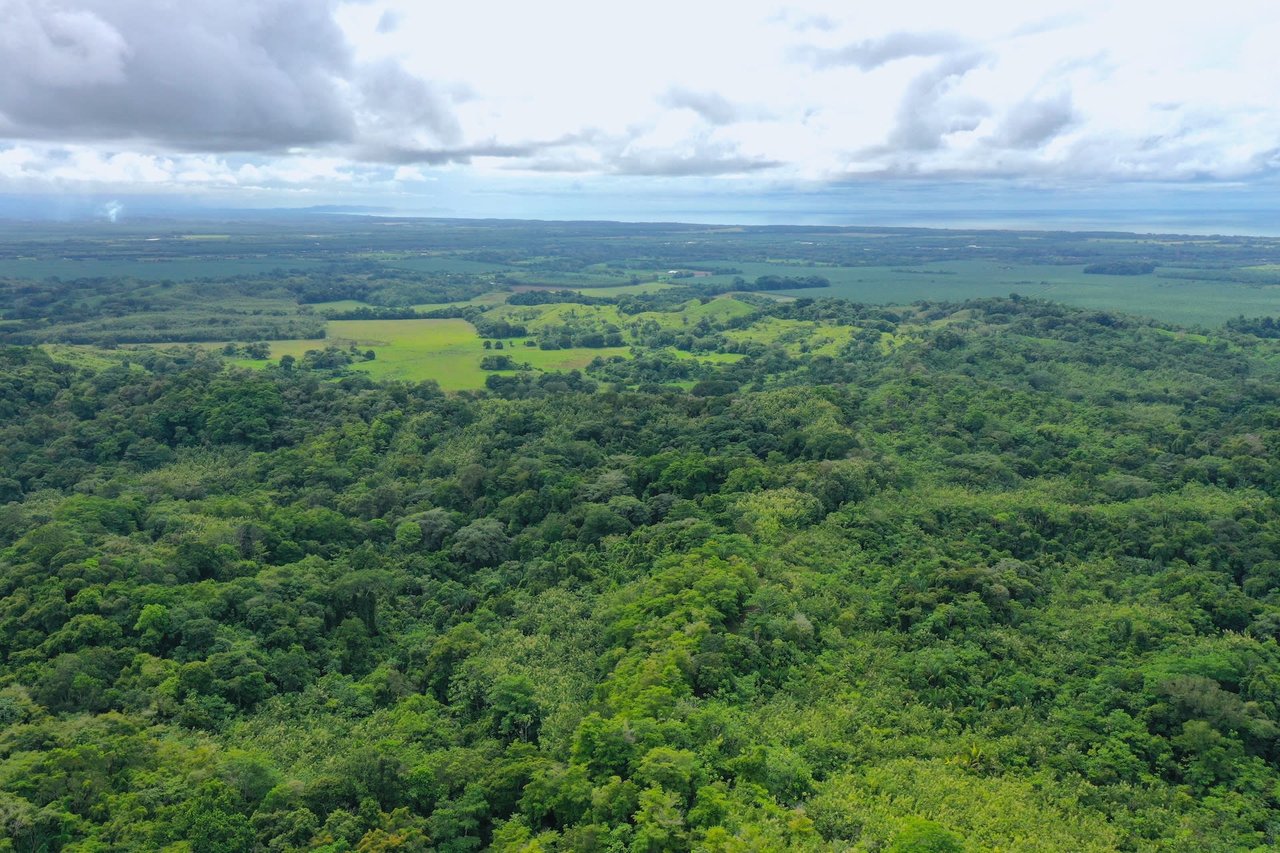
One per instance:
(796, 336)
(448, 351)
(720, 308)
(496, 297)
(709, 357)
(716, 310)
(563, 359)
(295, 348)
(538, 317)
(625, 290)
(77, 355)
(340, 305)
(1182, 336)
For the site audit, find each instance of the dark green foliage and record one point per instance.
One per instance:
(992, 575)
(1120, 267)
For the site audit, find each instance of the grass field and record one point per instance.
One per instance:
(1185, 301)
(448, 351)
(625, 289)
(538, 317)
(796, 336)
(88, 357)
(708, 357)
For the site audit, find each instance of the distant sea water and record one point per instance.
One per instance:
(1252, 223)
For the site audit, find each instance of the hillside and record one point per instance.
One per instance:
(975, 576)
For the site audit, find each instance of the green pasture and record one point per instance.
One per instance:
(91, 358)
(538, 317)
(1184, 301)
(485, 300)
(625, 289)
(448, 351)
(338, 305)
(796, 336)
(718, 309)
(708, 357)
(535, 318)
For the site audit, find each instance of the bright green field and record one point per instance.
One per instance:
(448, 351)
(339, 305)
(707, 357)
(795, 336)
(485, 300)
(537, 317)
(625, 290)
(1185, 301)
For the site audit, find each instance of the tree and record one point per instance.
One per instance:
(483, 542)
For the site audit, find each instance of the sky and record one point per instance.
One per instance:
(749, 110)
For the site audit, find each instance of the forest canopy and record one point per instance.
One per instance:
(775, 575)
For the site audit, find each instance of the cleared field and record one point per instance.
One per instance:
(92, 358)
(488, 299)
(796, 336)
(625, 290)
(707, 357)
(448, 351)
(339, 305)
(1189, 301)
(538, 317)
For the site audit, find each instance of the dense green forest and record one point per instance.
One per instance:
(1009, 584)
(689, 555)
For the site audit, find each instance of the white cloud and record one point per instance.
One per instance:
(309, 94)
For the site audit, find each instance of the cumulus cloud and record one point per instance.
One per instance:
(695, 163)
(714, 109)
(930, 110)
(388, 22)
(261, 94)
(395, 105)
(207, 75)
(799, 21)
(1033, 122)
(869, 54)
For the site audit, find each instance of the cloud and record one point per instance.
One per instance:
(462, 154)
(929, 111)
(714, 109)
(209, 75)
(800, 22)
(400, 154)
(395, 105)
(388, 22)
(258, 95)
(1032, 122)
(221, 75)
(700, 161)
(872, 53)
(632, 157)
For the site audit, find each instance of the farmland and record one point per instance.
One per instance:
(445, 351)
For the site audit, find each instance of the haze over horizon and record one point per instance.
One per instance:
(1044, 114)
